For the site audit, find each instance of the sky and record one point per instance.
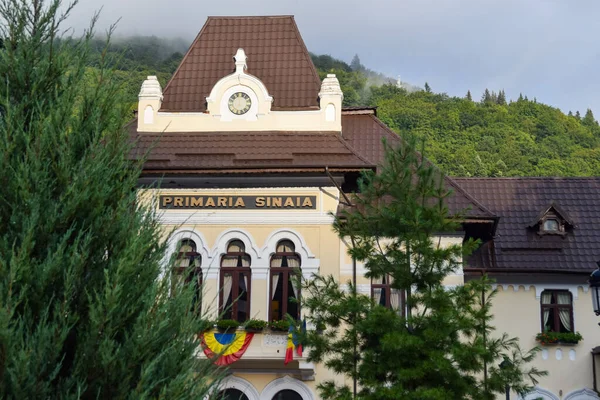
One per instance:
(545, 49)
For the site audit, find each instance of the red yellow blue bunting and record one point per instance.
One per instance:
(226, 348)
(293, 343)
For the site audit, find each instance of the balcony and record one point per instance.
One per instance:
(266, 355)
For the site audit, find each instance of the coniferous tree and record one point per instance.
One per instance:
(501, 98)
(468, 96)
(520, 97)
(578, 115)
(439, 344)
(355, 64)
(570, 113)
(427, 87)
(85, 313)
(487, 97)
(493, 98)
(588, 119)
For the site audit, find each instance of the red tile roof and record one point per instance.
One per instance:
(518, 202)
(276, 55)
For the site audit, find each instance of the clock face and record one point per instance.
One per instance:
(239, 103)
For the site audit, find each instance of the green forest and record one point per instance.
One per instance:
(482, 134)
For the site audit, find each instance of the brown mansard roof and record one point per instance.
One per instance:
(276, 55)
(220, 152)
(518, 202)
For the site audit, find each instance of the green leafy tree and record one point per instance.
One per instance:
(84, 312)
(444, 336)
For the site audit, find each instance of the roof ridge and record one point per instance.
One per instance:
(249, 16)
(524, 178)
(306, 53)
(351, 149)
(454, 184)
(187, 53)
(459, 188)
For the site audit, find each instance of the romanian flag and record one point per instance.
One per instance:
(293, 343)
(228, 347)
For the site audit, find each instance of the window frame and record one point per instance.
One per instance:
(189, 272)
(287, 271)
(387, 287)
(236, 272)
(556, 307)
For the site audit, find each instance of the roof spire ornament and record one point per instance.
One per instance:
(240, 61)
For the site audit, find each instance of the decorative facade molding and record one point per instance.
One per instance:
(309, 264)
(540, 287)
(538, 393)
(286, 383)
(230, 218)
(201, 247)
(582, 394)
(235, 382)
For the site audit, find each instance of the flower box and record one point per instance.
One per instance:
(556, 338)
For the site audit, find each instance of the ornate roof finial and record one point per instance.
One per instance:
(240, 61)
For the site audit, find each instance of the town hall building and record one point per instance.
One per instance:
(248, 155)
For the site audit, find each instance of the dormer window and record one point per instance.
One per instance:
(551, 225)
(552, 221)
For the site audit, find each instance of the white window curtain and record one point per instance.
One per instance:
(229, 261)
(563, 313)
(285, 246)
(377, 295)
(293, 262)
(395, 297)
(276, 261)
(546, 299)
(245, 261)
(227, 283)
(236, 246)
(274, 282)
(294, 284)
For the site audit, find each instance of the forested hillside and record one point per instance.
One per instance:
(478, 135)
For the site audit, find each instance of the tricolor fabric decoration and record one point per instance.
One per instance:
(229, 347)
(293, 343)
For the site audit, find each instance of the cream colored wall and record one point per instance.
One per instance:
(517, 312)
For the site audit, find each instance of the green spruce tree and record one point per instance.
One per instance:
(468, 96)
(429, 341)
(487, 97)
(501, 98)
(589, 120)
(355, 64)
(427, 87)
(84, 311)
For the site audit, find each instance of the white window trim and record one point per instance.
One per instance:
(286, 383)
(176, 237)
(241, 384)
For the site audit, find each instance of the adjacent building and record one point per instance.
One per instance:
(252, 151)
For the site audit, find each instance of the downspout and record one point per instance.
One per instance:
(354, 294)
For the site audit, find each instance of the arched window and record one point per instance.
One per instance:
(187, 269)
(235, 282)
(287, 395)
(285, 271)
(385, 295)
(232, 394)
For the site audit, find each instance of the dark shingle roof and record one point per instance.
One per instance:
(364, 133)
(187, 151)
(276, 55)
(518, 202)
